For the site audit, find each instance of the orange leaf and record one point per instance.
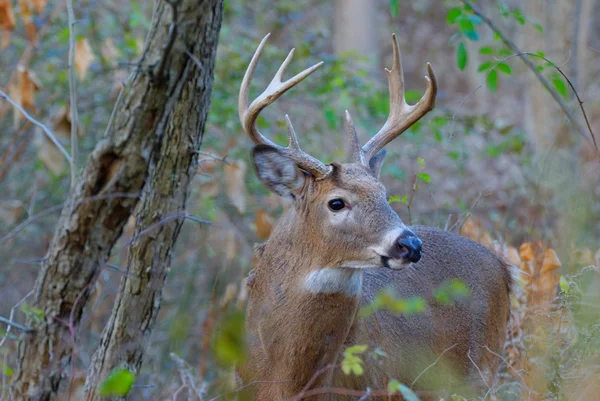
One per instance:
(550, 262)
(23, 90)
(264, 224)
(83, 57)
(526, 252)
(7, 15)
(39, 5)
(26, 14)
(7, 22)
(512, 255)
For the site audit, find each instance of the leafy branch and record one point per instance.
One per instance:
(543, 80)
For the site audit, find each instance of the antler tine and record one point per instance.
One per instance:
(249, 113)
(358, 155)
(402, 115)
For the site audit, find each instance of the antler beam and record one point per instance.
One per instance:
(401, 115)
(249, 113)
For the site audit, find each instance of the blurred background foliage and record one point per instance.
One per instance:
(497, 157)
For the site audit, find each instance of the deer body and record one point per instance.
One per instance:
(342, 244)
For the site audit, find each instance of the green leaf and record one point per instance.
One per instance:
(393, 4)
(560, 86)
(229, 345)
(424, 177)
(395, 386)
(539, 27)
(117, 383)
(486, 50)
(468, 29)
(505, 68)
(388, 300)
(485, 66)
(504, 52)
(461, 56)
(396, 198)
(330, 117)
(421, 162)
(6, 370)
(475, 19)
(519, 17)
(351, 362)
(355, 349)
(451, 291)
(492, 80)
(564, 284)
(453, 14)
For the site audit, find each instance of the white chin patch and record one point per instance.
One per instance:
(334, 280)
(398, 265)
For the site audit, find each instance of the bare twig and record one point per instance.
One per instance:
(252, 383)
(183, 214)
(540, 77)
(213, 157)
(433, 364)
(46, 130)
(16, 325)
(72, 92)
(479, 370)
(11, 317)
(367, 395)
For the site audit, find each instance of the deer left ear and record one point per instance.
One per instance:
(376, 163)
(277, 172)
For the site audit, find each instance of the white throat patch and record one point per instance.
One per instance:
(334, 280)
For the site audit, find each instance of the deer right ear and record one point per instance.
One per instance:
(277, 172)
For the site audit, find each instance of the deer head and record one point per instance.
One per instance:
(341, 217)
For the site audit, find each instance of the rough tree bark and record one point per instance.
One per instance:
(165, 84)
(124, 338)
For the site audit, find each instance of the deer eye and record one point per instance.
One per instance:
(336, 204)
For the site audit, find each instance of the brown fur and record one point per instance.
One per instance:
(293, 333)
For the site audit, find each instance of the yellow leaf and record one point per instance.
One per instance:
(235, 187)
(264, 224)
(83, 57)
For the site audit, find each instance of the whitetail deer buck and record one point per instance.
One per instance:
(338, 247)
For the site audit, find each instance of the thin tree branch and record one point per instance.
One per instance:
(540, 77)
(16, 325)
(46, 130)
(72, 92)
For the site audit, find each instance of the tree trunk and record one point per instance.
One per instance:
(355, 30)
(126, 335)
(163, 85)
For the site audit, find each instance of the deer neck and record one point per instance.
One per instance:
(300, 312)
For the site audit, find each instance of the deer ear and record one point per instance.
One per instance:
(277, 172)
(376, 162)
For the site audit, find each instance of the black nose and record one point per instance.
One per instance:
(410, 246)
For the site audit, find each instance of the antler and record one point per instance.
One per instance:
(249, 113)
(402, 115)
